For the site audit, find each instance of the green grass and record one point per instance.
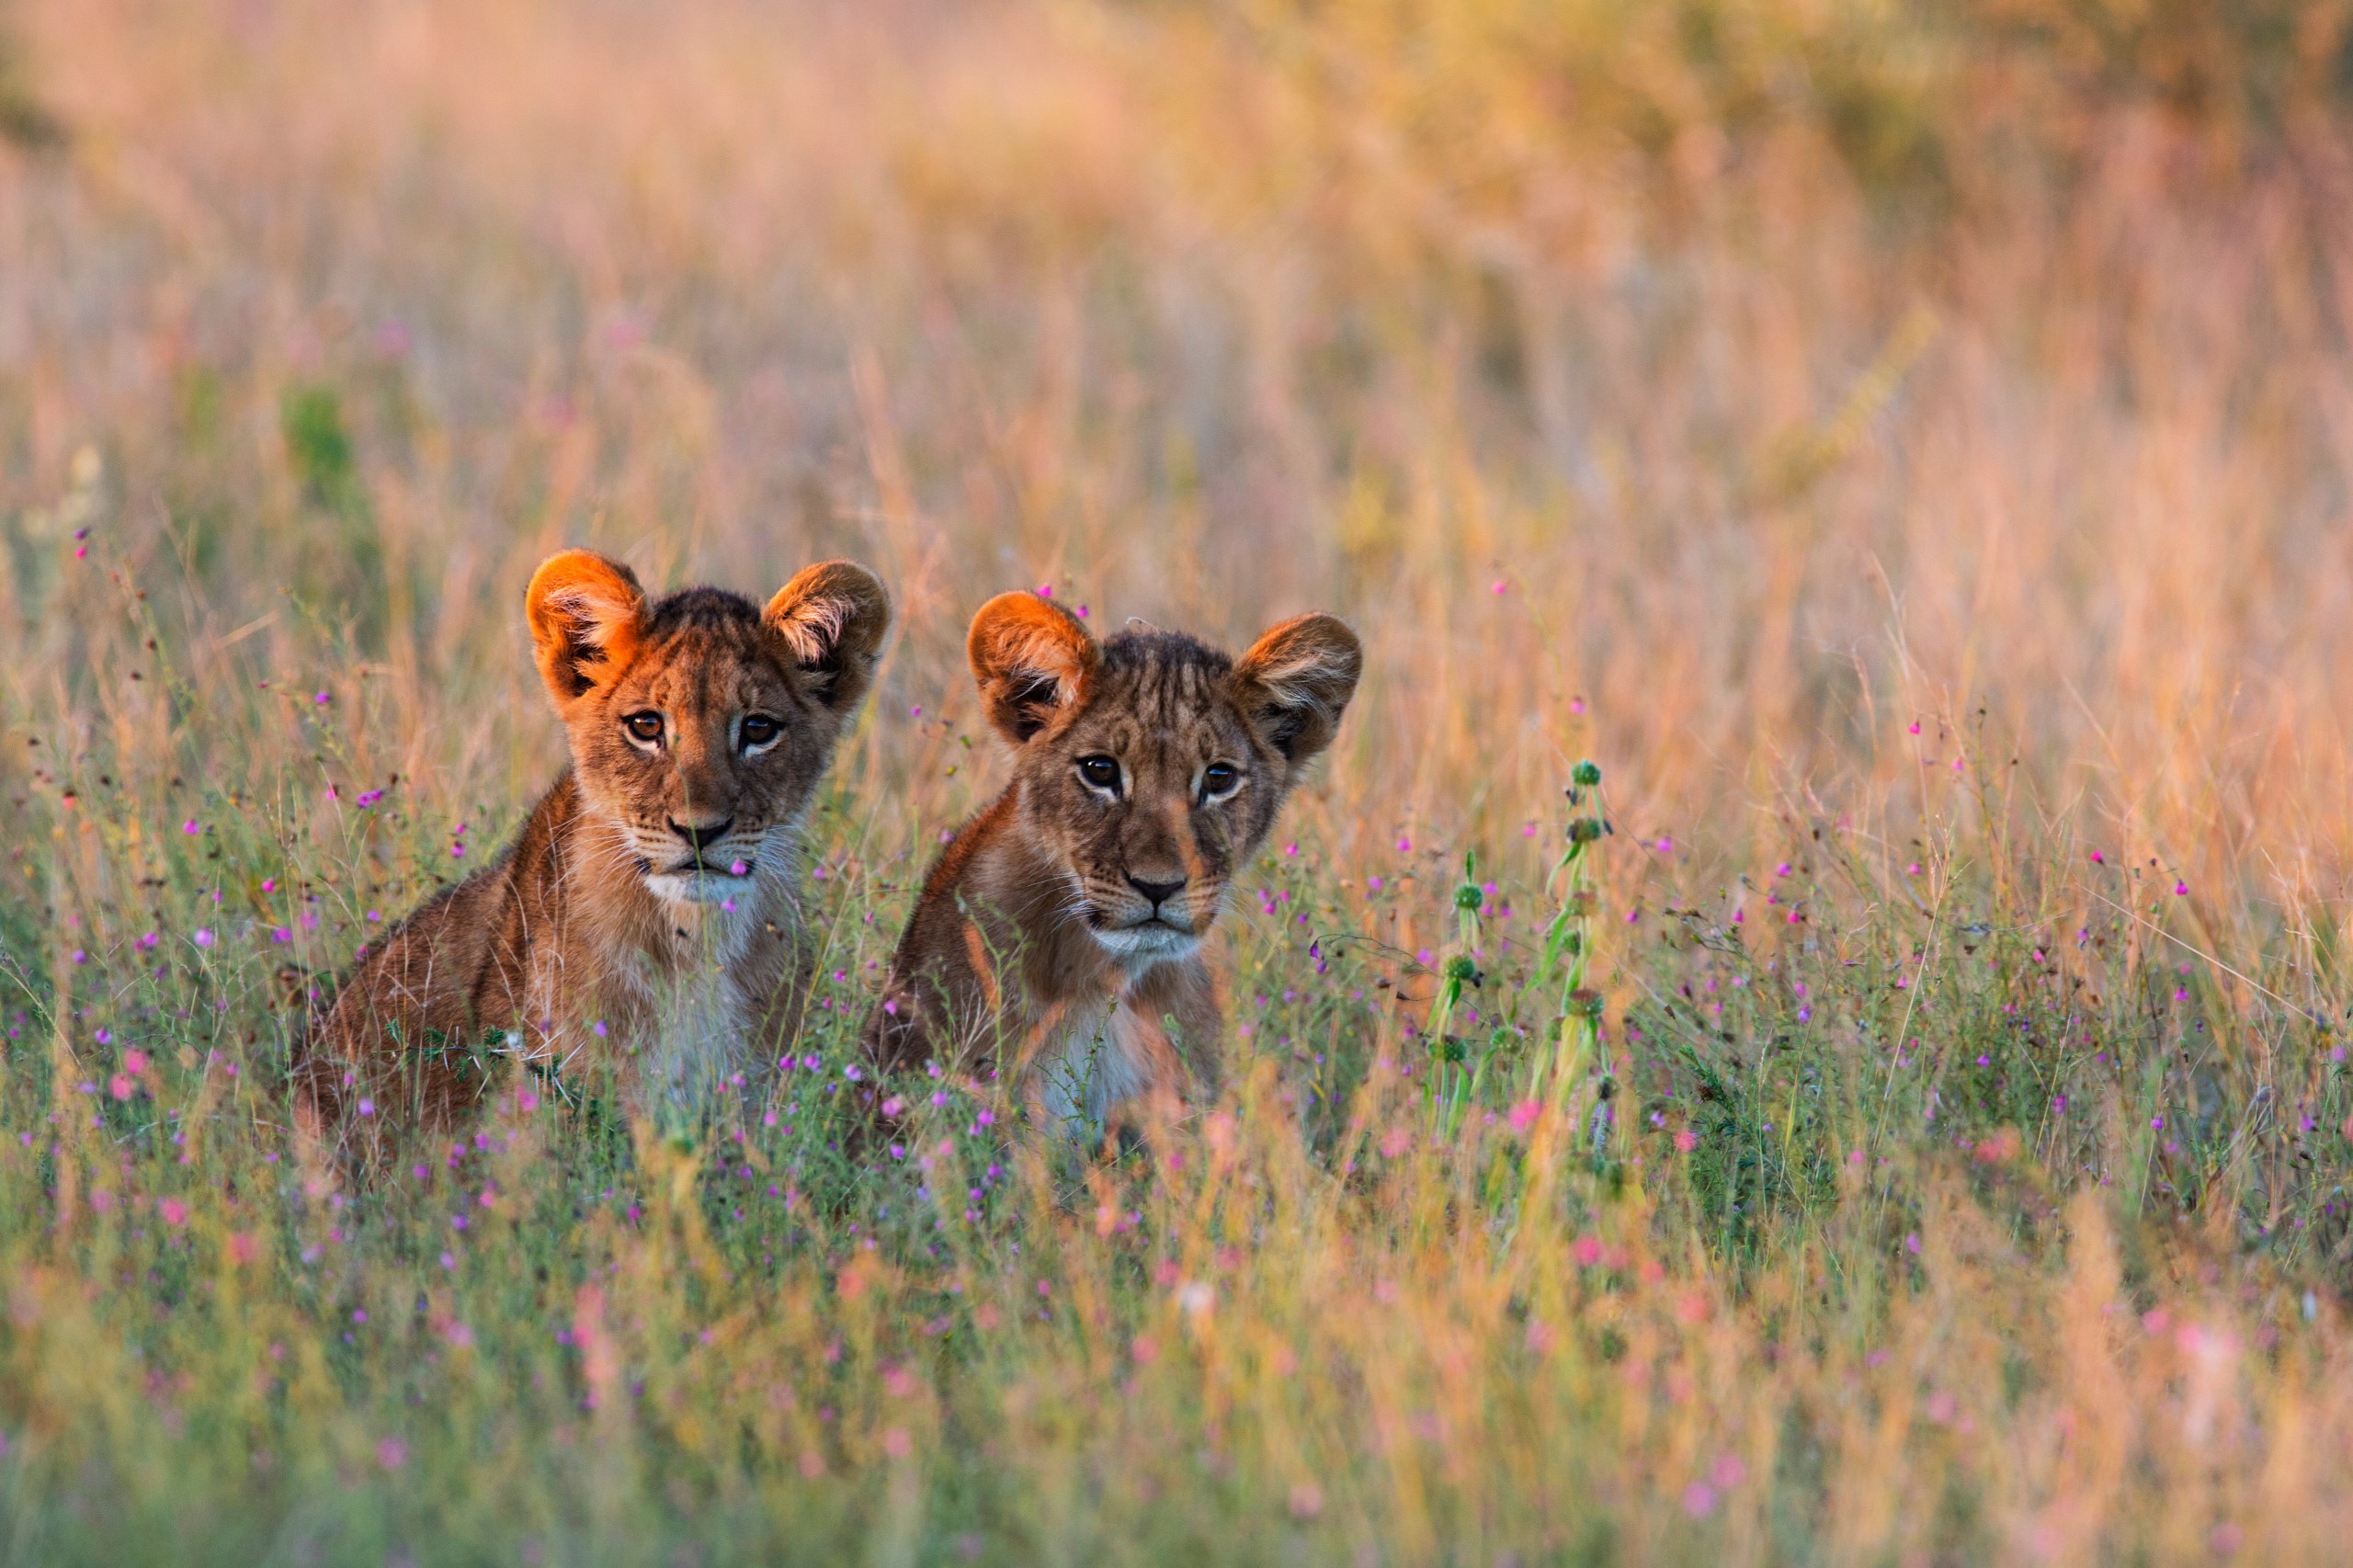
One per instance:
(1661, 1313)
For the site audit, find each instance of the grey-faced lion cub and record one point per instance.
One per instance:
(646, 918)
(1064, 923)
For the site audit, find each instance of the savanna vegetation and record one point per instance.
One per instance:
(1891, 1106)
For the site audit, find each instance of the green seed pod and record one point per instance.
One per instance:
(1453, 1050)
(1587, 773)
(1584, 830)
(1469, 897)
(1459, 967)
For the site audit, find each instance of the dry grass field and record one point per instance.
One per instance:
(1908, 448)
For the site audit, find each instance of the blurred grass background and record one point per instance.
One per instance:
(1884, 436)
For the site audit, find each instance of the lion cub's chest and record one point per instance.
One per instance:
(692, 999)
(1095, 1055)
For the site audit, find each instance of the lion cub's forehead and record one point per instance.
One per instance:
(1161, 692)
(706, 651)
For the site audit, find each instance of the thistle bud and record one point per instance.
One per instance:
(1469, 898)
(1584, 830)
(1459, 968)
(1587, 773)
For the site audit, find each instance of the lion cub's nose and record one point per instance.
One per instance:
(699, 838)
(1157, 893)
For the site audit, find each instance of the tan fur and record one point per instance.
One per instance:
(602, 937)
(1058, 937)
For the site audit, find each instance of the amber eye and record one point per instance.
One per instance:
(760, 730)
(1100, 772)
(1219, 780)
(643, 728)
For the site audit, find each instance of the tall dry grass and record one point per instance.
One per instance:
(1886, 439)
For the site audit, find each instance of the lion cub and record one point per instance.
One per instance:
(646, 918)
(1065, 921)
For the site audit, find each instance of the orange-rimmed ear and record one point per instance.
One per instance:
(586, 614)
(1295, 682)
(1031, 659)
(833, 616)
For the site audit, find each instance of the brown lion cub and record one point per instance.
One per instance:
(1067, 920)
(646, 918)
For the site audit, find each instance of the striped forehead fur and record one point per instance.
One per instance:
(1161, 673)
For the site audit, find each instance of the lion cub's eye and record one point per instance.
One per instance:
(643, 728)
(1101, 772)
(1219, 780)
(759, 732)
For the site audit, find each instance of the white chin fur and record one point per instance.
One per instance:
(697, 887)
(1147, 944)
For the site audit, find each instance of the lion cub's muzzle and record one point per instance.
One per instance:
(1142, 917)
(697, 863)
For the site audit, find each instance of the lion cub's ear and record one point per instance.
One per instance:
(586, 615)
(834, 617)
(1296, 681)
(1031, 659)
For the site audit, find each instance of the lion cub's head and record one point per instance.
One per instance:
(1152, 764)
(700, 723)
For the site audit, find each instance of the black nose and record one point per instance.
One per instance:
(1158, 892)
(700, 838)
